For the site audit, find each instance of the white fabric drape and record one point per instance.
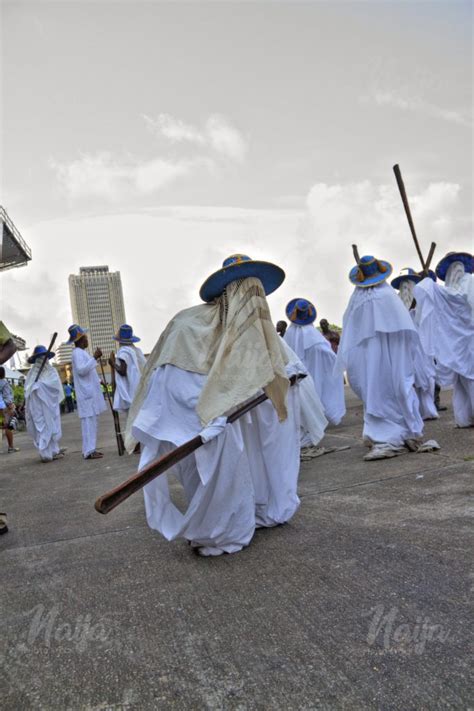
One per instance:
(425, 379)
(446, 328)
(89, 397)
(318, 357)
(126, 385)
(445, 325)
(233, 342)
(244, 478)
(313, 420)
(43, 420)
(377, 348)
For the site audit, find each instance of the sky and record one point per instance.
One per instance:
(158, 138)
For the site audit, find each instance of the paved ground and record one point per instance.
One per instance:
(361, 602)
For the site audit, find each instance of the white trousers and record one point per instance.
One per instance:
(89, 434)
(463, 400)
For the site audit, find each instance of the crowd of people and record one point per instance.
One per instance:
(400, 343)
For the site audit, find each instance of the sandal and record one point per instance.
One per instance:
(94, 455)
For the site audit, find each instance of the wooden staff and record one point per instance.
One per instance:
(355, 252)
(403, 194)
(115, 415)
(45, 358)
(113, 498)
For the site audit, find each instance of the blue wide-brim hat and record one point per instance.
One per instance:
(406, 274)
(444, 264)
(370, 272)
(301, 312)
(76, 332)
(37, 352)
(125, 334)
(239, 266)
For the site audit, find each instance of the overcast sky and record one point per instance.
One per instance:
(158, 138)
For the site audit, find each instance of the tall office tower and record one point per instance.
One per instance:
(64, 353)
(97, 304)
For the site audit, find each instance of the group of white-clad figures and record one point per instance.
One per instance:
(212, 358)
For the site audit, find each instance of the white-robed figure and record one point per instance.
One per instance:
(425, 370)
(128, 363)
(445, 322)
(378, 349)
(42, 399)
(317, 355)
(89, 397)
(209, 360)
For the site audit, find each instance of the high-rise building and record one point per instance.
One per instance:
(97, 304)
(64, 353)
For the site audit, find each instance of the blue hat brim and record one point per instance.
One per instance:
(269, 274)
(372, 280)
(415, 278)
(446, 262)
(73, 340)
(133, 339)
(300, 321)
(32, 359)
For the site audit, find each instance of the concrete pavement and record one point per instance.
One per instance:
(361, 602)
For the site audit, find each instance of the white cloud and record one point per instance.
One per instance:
(89, 175)
(217, 134)
(101, 175)
(176, 247)
(225, 139)
(371, 216)
(390, 98)
(174, 129)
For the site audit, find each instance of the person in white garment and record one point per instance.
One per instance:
(425, 370)
(378, 349)
(444, 316)
(128, 364)
(89, 398)
(210, 359)
(42, 400)
(315, 351)
(455, 269)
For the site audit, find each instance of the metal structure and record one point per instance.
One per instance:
(14, 252)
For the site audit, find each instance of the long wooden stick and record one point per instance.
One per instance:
(430, 257)
(115, 415)
(403, 194)
(355, 252)
(113, 498)
(45, 358)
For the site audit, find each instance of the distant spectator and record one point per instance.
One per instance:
(68, 395)
(332, 336)
(281, 328)
(7, 411)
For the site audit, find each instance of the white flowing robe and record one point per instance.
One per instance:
(378, 349)
(425, 380)
(317, 355)
(89, 397)
(43, 419)
(244, 478)
(446, 329)
(126, 385)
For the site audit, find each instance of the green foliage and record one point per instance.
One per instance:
(18, 394)
(333, 327)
